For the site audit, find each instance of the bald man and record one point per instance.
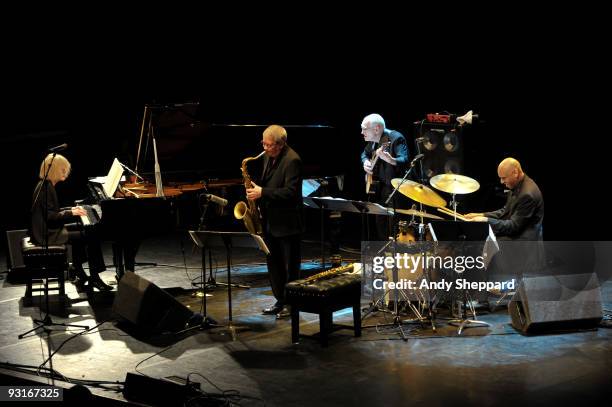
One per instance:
(521, 217)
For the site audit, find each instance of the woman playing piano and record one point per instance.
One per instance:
(51, 224)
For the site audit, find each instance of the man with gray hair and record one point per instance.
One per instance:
(384, 157)
(279, 196)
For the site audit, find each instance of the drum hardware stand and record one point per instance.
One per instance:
(453, 203)
(463, 321)
(397, 322)
(431, 312)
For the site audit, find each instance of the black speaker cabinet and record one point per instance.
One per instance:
(14, 258)
(443, 149)
(149, 307)
(556, 304)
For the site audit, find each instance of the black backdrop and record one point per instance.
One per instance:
(98, 111)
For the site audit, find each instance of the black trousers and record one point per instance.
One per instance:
(86, 247)
(283, 263)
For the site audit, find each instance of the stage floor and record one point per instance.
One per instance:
(483, 366)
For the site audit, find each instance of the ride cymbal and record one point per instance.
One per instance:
(454, 183)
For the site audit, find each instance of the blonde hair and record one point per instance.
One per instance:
(56, 172)
(278, 133)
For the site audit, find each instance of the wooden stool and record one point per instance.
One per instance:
(323, 297)
(44, 265)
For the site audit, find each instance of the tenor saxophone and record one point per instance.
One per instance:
(248, 211)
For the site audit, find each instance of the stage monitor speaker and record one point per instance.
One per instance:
(149, 307)
(556, 303)
(14, 258)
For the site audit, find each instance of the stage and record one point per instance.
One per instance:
(483, 366)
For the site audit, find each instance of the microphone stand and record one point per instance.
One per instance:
(207, 322)
(418, 147)
(125, 167)
(211, 279)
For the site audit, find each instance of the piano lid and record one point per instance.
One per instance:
(192, 147)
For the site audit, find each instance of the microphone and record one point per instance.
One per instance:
(417, 158)
(56, 149)
(420, 139)
(216, 199)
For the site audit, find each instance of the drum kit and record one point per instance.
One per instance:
(452, 184)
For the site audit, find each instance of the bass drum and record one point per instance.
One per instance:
(408, 233)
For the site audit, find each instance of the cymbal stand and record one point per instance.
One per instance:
(375, 306)
(397, 321)
(463, 321)
(453, 203)
(431, 311)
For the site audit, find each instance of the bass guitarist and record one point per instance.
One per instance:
(384, 157)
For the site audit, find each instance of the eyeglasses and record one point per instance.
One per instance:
(267, 145)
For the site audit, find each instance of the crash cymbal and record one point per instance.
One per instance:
(414, 212)
(418, 192)
(454, 183)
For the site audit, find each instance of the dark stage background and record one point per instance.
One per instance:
(533, 119)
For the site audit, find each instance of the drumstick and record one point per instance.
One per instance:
(451, 213)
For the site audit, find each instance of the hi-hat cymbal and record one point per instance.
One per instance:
(419, 214)
(418, 192)
(454, 183)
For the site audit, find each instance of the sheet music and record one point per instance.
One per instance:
(490, 247)
(309, 186)
(112, 179)
(261, 244)
(195, 238)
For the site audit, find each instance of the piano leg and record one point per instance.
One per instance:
(124, 257)
(129, 255)
(118, 260)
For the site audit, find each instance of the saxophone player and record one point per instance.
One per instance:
(279, 195)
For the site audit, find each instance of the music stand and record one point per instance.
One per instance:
(459, 231)
(332, 204)
(310, 203)
(207, 238)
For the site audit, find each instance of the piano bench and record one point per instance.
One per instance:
(43, 265)
(324, 297)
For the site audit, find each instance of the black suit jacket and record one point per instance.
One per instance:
(56, 218)
(383, 171)
(281, 195)
(521, 218)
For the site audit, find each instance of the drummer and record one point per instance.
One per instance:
(522, 215)
(392, 152)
